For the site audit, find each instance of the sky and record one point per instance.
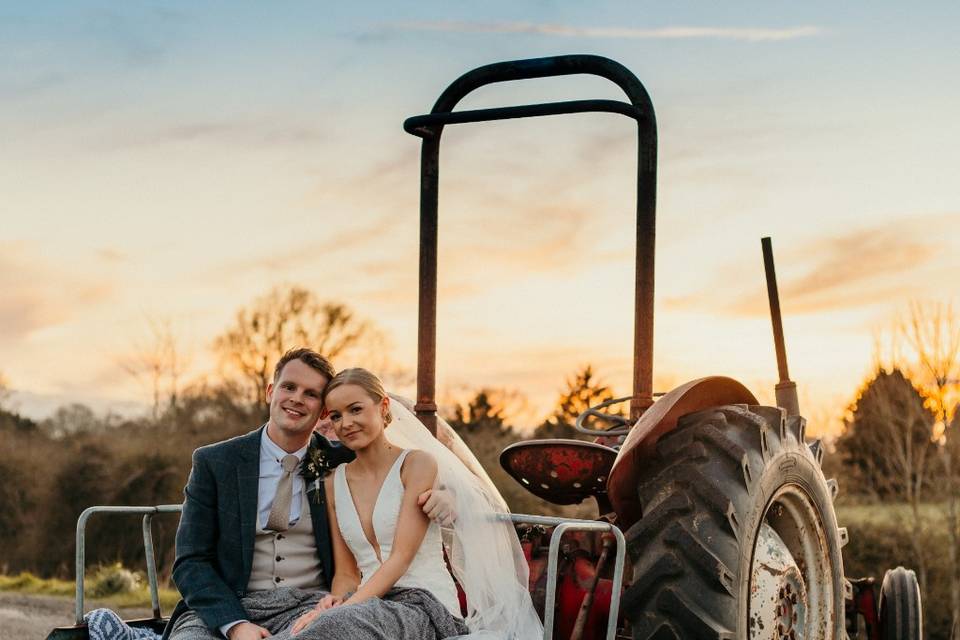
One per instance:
(173, 161)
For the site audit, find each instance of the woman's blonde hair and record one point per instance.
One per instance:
(363, 379)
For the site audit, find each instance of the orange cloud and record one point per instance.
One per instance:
(857, 269)
(37, 295)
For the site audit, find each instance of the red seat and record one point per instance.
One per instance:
(560, 471)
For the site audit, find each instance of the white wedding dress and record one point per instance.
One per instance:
(482, 546)
(427, 570)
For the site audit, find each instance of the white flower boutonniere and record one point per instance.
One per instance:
(313, 468)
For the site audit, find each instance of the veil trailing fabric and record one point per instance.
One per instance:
(484, 550)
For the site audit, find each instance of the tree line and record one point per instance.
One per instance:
(900, 444)
(55, 468)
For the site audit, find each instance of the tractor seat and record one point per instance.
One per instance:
(560, 471)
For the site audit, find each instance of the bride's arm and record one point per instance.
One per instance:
(346, 575)
(418, 473)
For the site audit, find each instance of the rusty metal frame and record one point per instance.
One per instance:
(561, 526)
(151, 561)
(429, 127)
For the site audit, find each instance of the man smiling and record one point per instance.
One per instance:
(249, 560)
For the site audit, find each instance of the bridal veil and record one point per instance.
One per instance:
(483, 549)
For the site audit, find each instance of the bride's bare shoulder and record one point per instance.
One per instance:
(419, 466)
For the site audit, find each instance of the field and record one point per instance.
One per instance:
(880, 540)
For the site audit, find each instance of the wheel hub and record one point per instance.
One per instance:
(778, 598)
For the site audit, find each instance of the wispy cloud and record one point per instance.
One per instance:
(37, 296)
(245, 134)
(750, 34)
(860, 268)
(109, 254)
(139, 36)
(31, 85)
(321, 251)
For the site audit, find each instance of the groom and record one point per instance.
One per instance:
(251, 526)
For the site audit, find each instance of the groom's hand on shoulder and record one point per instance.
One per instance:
(247, 631)
(438, 504)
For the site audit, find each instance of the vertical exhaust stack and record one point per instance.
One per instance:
(786, 389)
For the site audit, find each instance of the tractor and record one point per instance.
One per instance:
(727, 518)
(714, 518)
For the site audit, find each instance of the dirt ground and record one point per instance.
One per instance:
(24, 617)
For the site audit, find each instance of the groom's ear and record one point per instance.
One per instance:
(269, 392)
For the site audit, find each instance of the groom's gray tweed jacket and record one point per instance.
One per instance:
(217, 528)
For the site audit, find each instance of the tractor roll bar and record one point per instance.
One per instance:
(430, 128)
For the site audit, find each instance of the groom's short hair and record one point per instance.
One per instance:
(308, 357)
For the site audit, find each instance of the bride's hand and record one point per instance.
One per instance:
(301, 623)
(438, 504)
(327, 602)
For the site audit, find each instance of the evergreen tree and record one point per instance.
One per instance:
(583, 391)
(888, 441)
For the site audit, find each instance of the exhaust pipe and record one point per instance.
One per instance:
(786, 389)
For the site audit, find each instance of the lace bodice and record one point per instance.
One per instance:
(427, 570)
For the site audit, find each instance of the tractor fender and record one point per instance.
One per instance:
(660, 418)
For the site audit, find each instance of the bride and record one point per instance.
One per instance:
(391, 579)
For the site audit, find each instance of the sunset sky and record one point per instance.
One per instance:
(175, 161)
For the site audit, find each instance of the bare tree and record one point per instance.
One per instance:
(159, 364)
(71, 419)
(280, 320)
(931, 332)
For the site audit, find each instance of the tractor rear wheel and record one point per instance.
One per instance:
(901, 617)
(738, 537)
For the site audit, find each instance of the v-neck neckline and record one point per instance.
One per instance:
(374, 544)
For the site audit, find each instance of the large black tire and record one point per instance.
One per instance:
(901, 617)
(714, 480)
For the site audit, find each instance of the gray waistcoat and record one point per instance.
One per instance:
(287, 559)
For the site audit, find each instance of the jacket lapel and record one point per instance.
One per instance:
(248, 482)
(321, 528)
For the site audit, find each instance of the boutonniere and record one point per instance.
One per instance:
(313, 468)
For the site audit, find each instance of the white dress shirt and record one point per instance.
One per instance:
(270, 472)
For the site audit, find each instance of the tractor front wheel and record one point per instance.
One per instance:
(901, 617)
(738, 537)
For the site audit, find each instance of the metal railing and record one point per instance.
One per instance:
(561, 526)
(148, 514)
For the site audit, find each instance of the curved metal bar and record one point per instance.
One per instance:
(423, 126)
(80, 558)
(429, 186)
(595, 411)
(617, 585)
(561, 526)
(553, 560)
(545, 68)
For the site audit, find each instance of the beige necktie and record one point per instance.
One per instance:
(279, 518)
